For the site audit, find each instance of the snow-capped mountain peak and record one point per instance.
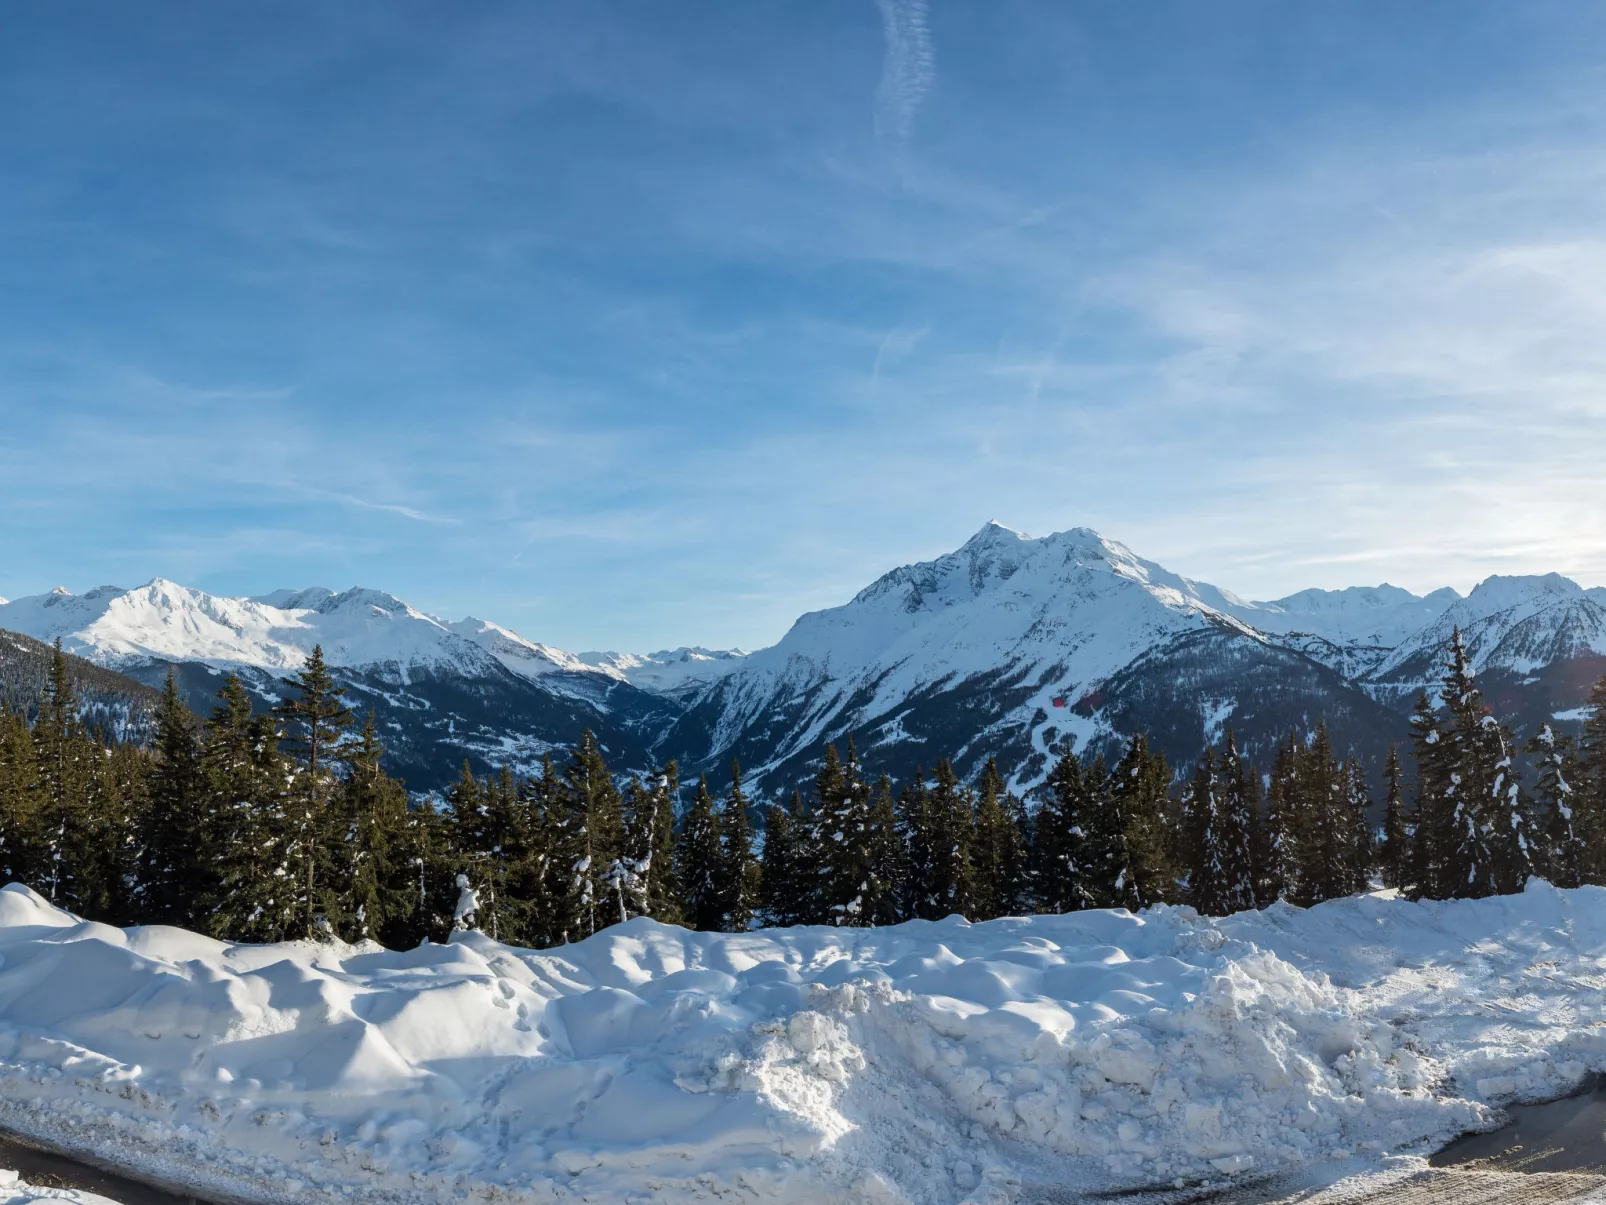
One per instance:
(1378, 616)
(359, 628)
(1515, 623)
(164, 621)
(669, 671)
(1041, 619)
(527, 658)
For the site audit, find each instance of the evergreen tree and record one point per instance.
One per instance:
(1238, 805)
(1475, 833)
(117, 803)
(699, 856)
(841, 837)
(375, 901)
(1557, 764)
(20, 801)
(1394, 853)
(1589, 795)
(595, 836)
(1137, 791)
(1102, 823)
(66, 759)
(663, 890)
(172, 883)
(1514, 840)
(635, 887)
(1432, 814)
(314, 718)
(885, 860)
(738, 868)
(781, 881)
(1324, 825)
(1469, 861)
(917, 836)
(998, 856)
(247, 829)
(1202, 840)
(1060, 856)
(1279, 865)
(1358, 846)
(949, 889)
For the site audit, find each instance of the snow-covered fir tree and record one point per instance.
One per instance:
(1556, 761)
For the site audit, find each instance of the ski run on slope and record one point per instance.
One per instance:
(930, 1064)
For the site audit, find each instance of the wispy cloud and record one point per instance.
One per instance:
(907, 72)
(392, 508)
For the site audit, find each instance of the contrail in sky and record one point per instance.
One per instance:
(908, 70)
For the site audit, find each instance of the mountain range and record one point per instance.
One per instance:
(1007, 646)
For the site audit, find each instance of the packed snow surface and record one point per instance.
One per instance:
(16, 1191)
(927, 1063)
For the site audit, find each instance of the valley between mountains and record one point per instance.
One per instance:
(1008, 646)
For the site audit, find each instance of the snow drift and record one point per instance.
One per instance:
(927, 1063)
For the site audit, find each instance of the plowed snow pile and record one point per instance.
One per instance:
(928, 1063)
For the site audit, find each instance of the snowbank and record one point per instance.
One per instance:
(16, 1191)
(928, 1063)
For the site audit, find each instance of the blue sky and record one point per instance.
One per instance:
(637, 324)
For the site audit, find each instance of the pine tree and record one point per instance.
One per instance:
(172, 884)
(1102, 822)
(782, 879)
(635, 886)
(885, 859)
(314, 720)
(949, 889)
(738, 869)
(429, 854)
(595, 836)
(663, 890)
(117, 803)
(1238, 806)
(20, 803)
(1359, 852)
(1589, 794)
(1557, 764)
(1514, 839)
(1475, 833)
(1469, 869)
(916, 837)
(64, 756)
(536, 875)
(1207, 888)
(1432, 813)
(374, 900)
(1324, 824)
(999, 853)
(698, 858)
(841, 832)
(1279, 865)
(1394, 852)
(245, 822)
(1137, 790)
(1060, 857)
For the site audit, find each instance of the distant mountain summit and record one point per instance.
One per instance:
(1009, 645)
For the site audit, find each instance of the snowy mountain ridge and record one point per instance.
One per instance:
(358, 628)
(162, 620)
(1010, 644)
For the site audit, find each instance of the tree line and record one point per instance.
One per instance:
(255, 826)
